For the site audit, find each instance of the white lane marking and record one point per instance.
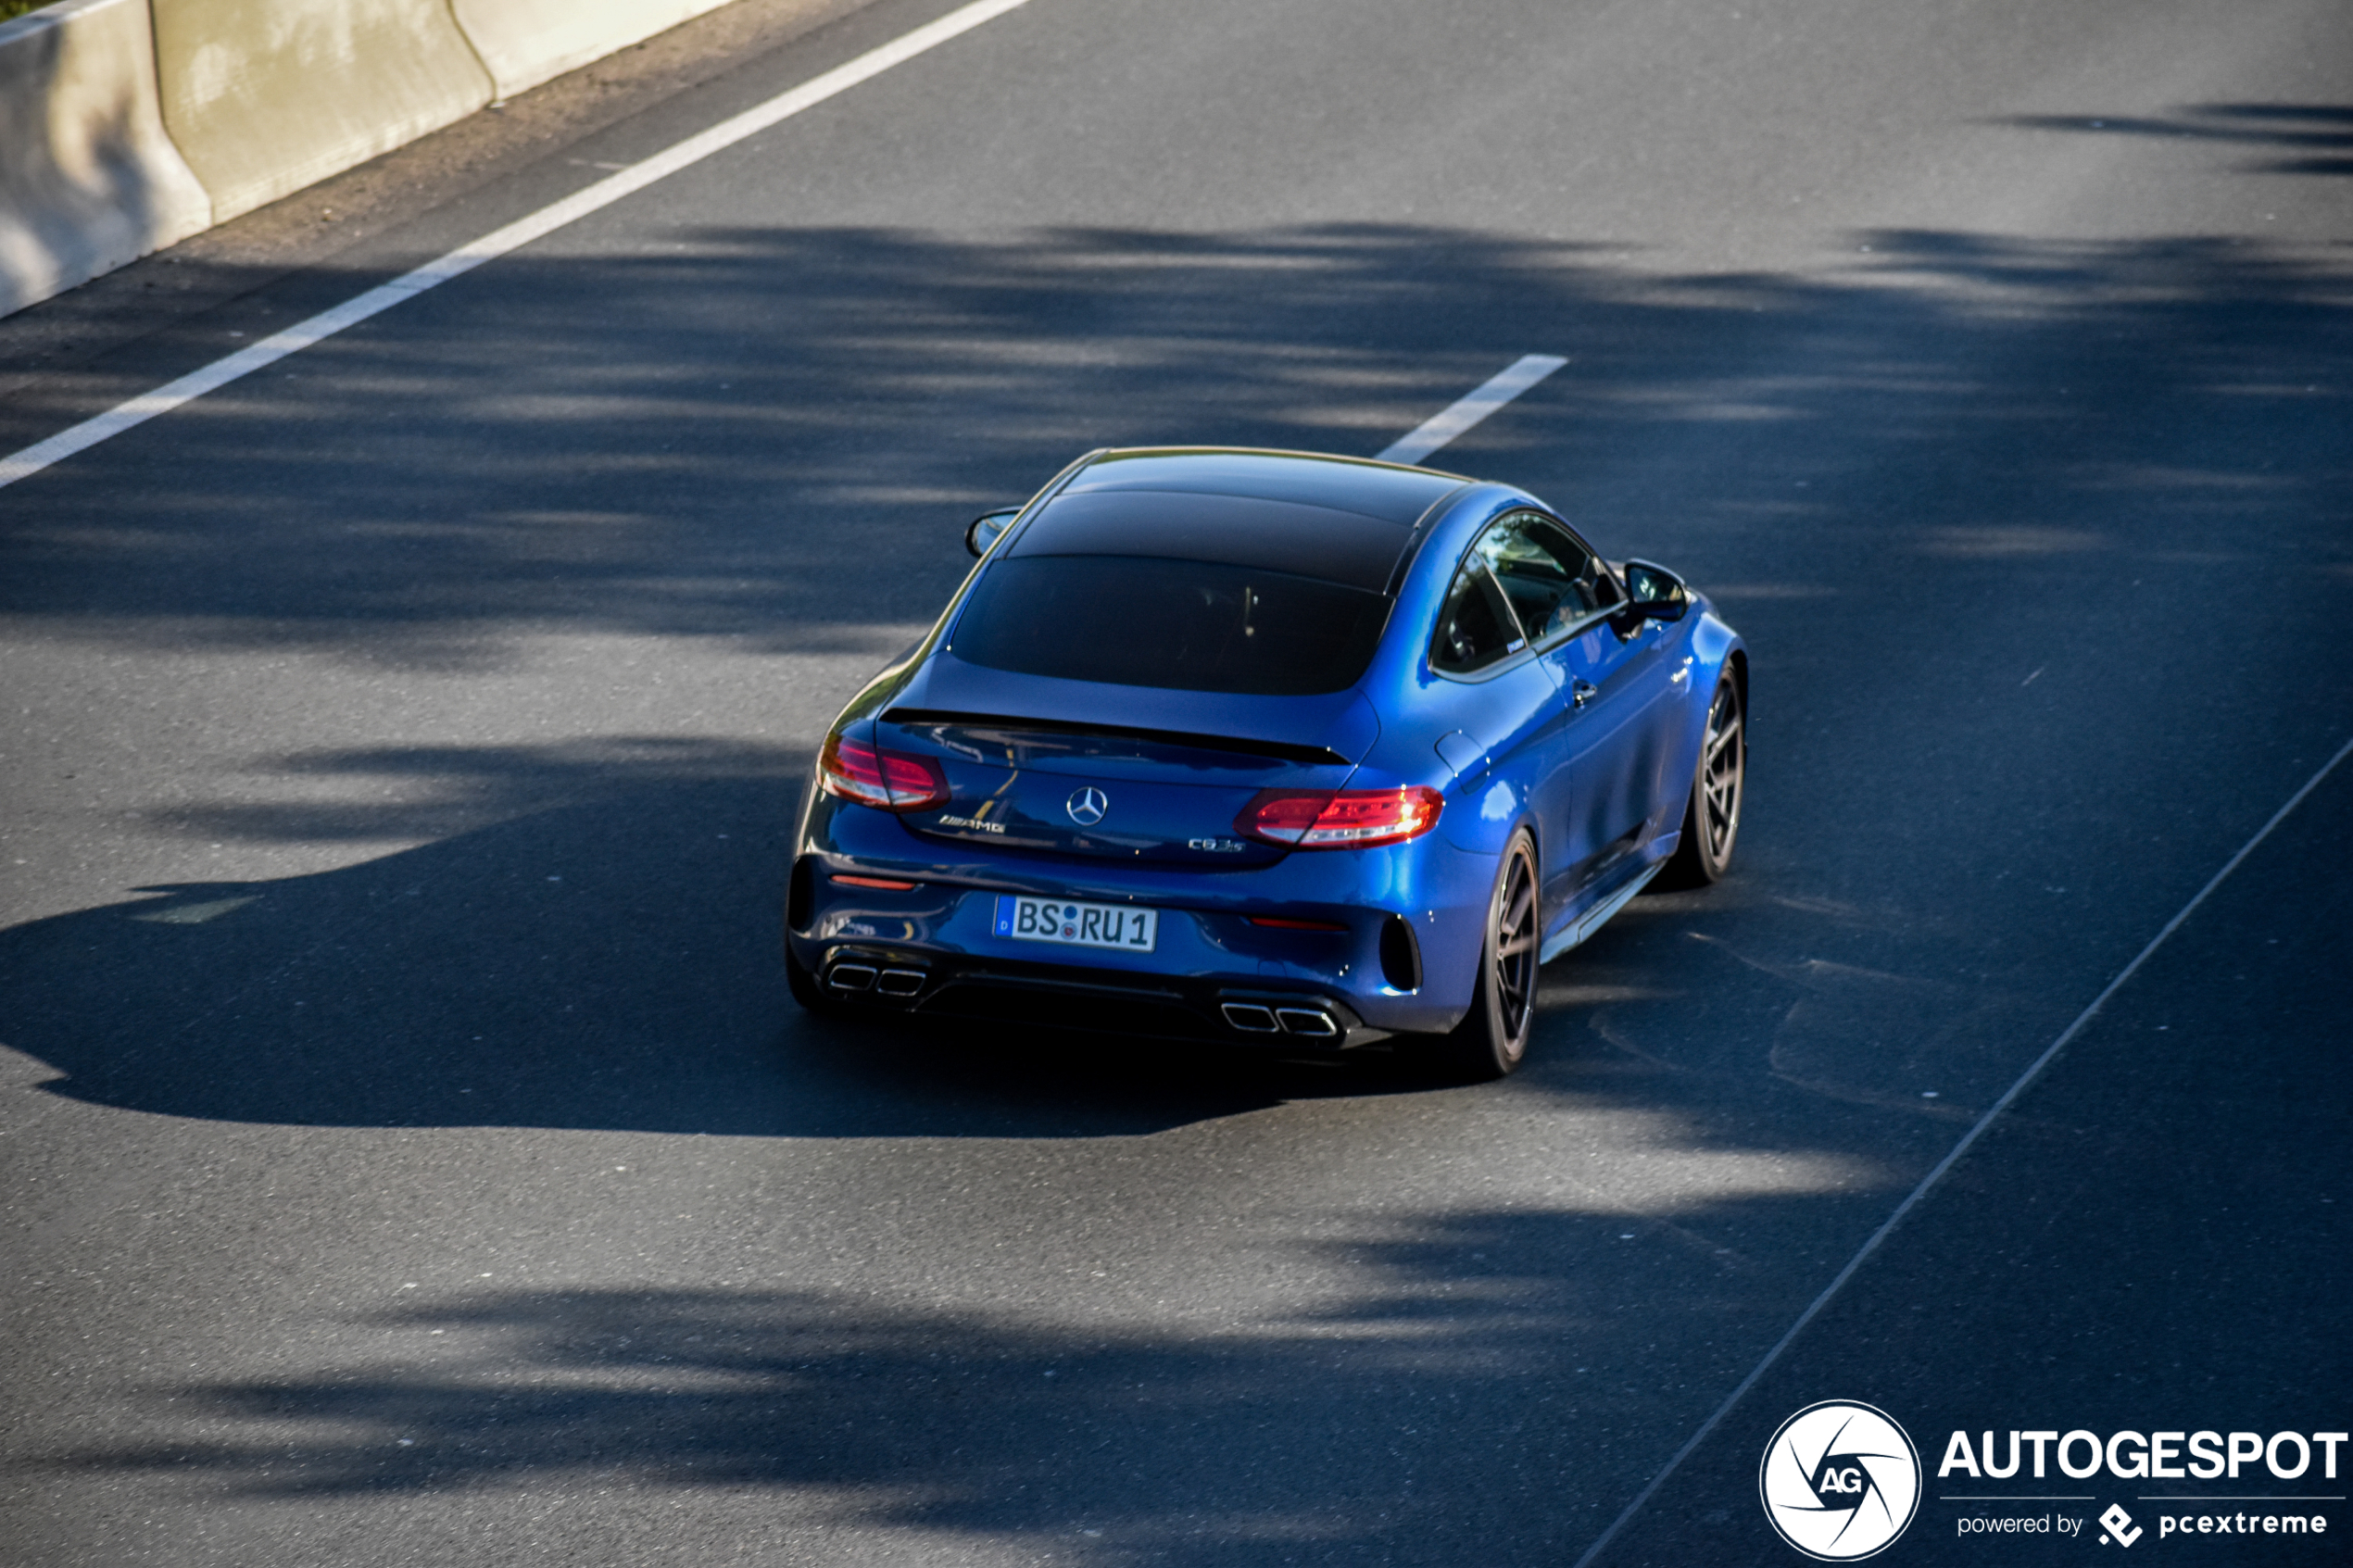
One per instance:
(197, 914)
(520, 232)
(2033, 1070)
(1439, 429)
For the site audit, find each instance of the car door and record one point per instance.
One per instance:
(1601, 783)
(1497, 694)
(1621, 684)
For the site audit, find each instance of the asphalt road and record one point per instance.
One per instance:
(402, 747)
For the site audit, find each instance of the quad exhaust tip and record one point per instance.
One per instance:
(1256, 1018)
(898, 981)
(850, 977)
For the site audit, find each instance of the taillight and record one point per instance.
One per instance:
(850, 770)
(1345, 819)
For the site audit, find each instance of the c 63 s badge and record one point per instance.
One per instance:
(1840, 1481)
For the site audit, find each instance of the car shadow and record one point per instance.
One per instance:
(607, 963)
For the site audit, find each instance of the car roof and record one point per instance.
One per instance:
(1342, 520)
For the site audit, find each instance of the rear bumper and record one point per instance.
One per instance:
(1427, 897)
(887, 979)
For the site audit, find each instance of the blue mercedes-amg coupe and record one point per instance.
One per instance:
(1266, 746)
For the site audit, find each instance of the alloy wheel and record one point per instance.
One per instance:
(1514, 975)
(1722, 771)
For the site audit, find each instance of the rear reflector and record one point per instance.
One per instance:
(1346, 819)
(885, 884)
(850, 770)
(1279, 923)
(1400, 955)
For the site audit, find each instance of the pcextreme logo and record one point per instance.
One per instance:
(1840, 1481)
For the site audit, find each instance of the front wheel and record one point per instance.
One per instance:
(1492, 1039)
(1712, 818)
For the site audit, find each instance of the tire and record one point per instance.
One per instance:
(1491, 1041)
(1711, 815)
(805, 989)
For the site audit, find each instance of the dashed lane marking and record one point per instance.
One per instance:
(1473, 406)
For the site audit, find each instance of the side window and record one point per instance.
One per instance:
(1477, 627)
(1551, 580)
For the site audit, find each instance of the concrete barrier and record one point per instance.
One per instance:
(129, 125)
(88, 179)
(525, 42)
(266, 96)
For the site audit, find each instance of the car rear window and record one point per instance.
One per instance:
(1182, 625)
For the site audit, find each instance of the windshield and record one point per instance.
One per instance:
(1186, 625)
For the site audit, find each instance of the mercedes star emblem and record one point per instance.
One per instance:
(1086, 805)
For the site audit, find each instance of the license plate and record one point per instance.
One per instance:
(1076, 925)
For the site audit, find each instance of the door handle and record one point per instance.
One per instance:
(1582, 692)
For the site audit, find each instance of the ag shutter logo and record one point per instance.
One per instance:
(1840, 1481)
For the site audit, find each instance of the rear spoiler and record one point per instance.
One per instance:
(1283, 750)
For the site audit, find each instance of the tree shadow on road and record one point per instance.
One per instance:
(2302, 138)
(2109, 456)
(776, 436)
(576, 944)
(1485, 1372)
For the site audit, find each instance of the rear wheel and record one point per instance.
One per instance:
(1492, 1039)
(1712, 819)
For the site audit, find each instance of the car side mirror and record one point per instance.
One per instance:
(1653, 593)
(987, 528)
